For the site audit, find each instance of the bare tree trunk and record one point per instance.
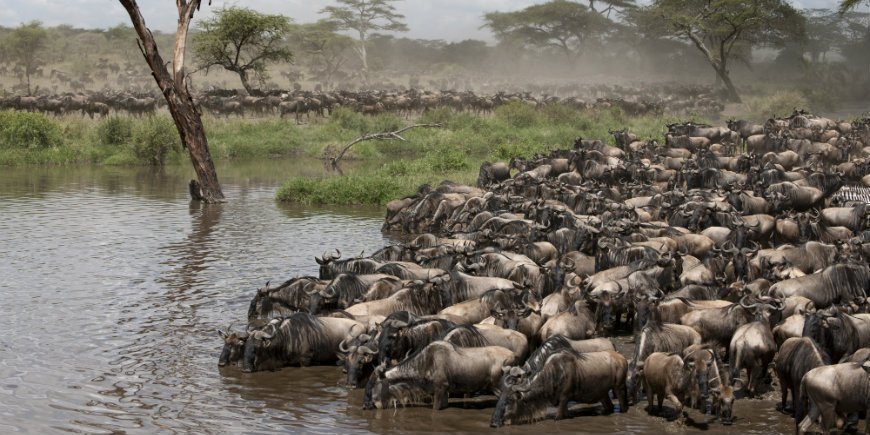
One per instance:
(364, 57)
(730, 89)
(243, 75)
(181, 106)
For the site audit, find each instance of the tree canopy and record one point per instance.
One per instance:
(559, 24)
(24, 45)
(326, 48)
(366, 17)
(243, 41)
(722, 30)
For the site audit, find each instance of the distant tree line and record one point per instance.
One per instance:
(357, 43)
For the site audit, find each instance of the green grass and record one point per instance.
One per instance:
(392, 168)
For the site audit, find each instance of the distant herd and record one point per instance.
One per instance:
(731, 255)
(633, 101)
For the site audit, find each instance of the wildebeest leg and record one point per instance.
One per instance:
(562, 409)
(810, 418)
(783, 388)
(607, 404)
(829, 416)
(439, 399)
(622, 396)
(678, 405)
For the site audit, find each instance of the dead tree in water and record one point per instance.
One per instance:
(184, 112)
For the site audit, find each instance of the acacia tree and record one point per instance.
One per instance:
(722, 30)
(181, 106)
(559, 24)
(612, 5)
(366, 17)
(327, 48)
(850, 5)
(24, 44)
(243, 41)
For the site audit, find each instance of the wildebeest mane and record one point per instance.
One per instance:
(348, 287)
(294, 333)
(466, 336)
(292, 293)
(546, 386)
(418, 335)
(553, 345)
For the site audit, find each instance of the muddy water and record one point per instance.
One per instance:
(112, 286)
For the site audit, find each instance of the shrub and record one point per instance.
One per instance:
(781, 103)
(386, 122)
(517, 114)
(115, 130)
(350, 120)
(446, 159)
(154, 138)
(28, 130)
(375, 189)
(440, 115)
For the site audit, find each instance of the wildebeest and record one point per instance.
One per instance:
(835, 391)
(436, 371)
(673, 377)
(565, 376)
(796, 357)
(297, 339)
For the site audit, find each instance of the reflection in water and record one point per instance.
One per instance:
(113, 285)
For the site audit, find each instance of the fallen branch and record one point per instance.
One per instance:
(389, 135)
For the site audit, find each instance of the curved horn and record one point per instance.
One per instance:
(343, 346)
(368, 350)
(329, 291)
(743, 303)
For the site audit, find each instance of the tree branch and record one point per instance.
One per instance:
(389, 135)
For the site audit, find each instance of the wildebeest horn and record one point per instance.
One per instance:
(516, 371)
(743, 303)
(368, 350)
(364, 338)
(312, 291)
(329, 291)
(343, 346)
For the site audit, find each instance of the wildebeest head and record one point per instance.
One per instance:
(256, 341)
(357, 355)
(723, 401)
(325, 261)
(509, 318)
(234, 344)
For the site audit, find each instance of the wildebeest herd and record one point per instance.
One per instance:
(731, 255)
(404, 103)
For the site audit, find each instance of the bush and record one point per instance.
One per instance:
(386, 122)
(517, 114)
(446, 159)
(28, 131)
(350, 120)
(154, 138)
(115, 130)
(781, 103)
(439, 115)
(374, 189)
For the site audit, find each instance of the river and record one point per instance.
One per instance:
(113, 286)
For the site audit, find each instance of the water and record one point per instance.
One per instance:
(113, 286)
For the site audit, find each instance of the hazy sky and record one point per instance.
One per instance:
(450, 20)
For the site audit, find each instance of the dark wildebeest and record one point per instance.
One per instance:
(835, 391)
(436, 371)
(796, 357)
(565, 376)
(297, 339)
